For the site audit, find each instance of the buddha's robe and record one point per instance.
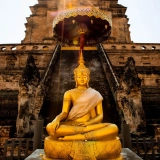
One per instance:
(84, 103)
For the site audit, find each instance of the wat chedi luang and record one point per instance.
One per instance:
(37, 82)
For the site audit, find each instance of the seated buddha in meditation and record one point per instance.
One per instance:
(82, 120)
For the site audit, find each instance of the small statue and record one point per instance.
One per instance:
(82, 123)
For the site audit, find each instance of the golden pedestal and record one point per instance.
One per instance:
(82, 150)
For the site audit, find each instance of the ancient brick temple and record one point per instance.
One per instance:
(35, 73)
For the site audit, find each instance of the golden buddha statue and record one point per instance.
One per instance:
(82, 123)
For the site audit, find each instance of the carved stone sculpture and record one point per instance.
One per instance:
(129, 98)
(30, 99)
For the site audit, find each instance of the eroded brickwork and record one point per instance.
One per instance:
(39, 24)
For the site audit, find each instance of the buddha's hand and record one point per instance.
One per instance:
(54, 125)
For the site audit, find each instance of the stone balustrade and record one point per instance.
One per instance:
(22, 47)
(132, 46)
(108, 46)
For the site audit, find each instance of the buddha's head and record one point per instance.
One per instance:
(81, 73)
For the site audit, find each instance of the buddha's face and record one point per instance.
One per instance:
(82, 79)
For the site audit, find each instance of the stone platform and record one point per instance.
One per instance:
(126, 153)
(79, 150)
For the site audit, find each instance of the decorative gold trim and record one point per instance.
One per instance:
(89, 11)
(77, 48)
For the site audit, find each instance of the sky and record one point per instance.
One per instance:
(143, 17)
(144, 20)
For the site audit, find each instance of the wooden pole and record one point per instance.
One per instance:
(38, 133)
(126, 137)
